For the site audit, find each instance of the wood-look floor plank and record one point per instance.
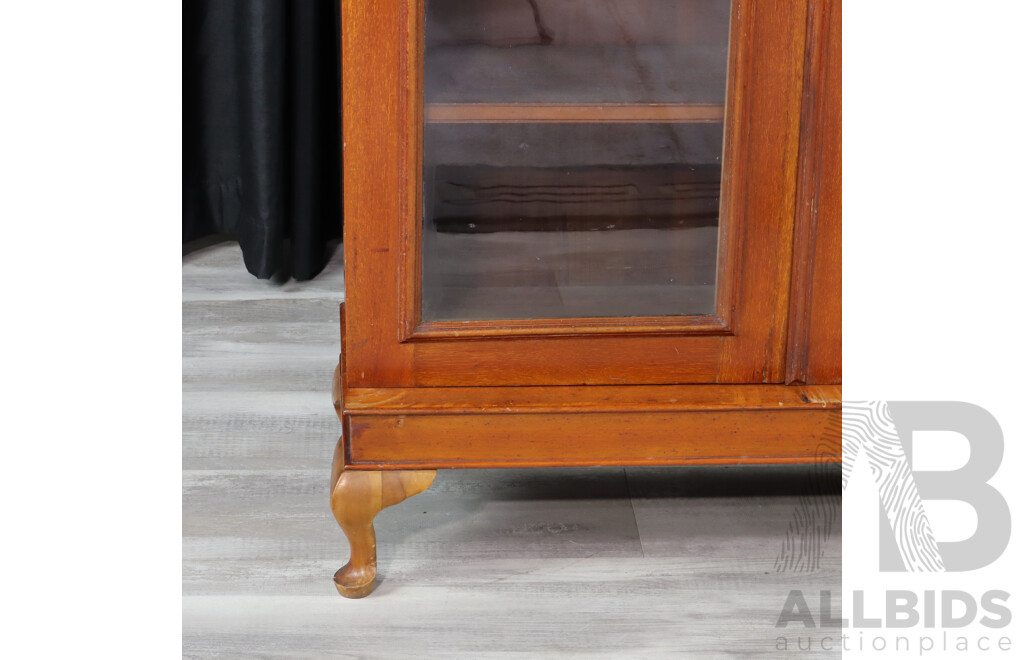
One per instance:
(234, 373)
(695, 511)
(247, 430)
(200, 315)
(655, 607)
(278, 340)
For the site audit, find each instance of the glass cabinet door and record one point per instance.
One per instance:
(569, 192)
(572, 158)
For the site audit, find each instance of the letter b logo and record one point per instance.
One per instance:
(883, 432)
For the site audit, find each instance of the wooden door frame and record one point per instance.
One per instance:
(745, 342)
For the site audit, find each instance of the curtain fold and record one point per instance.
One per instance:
(261, 130)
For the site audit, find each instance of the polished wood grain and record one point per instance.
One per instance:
(630, 398)
(377, 127)
(356, 499)
(767, 79)
(511, 113)
(445, 427)
(575, 360)
(815, 353)
(709, 324)
(431, 441)
(382, 52)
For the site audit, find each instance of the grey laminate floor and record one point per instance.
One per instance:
(577, 563)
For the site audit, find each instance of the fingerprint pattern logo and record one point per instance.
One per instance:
(868, 427)
(819, 511)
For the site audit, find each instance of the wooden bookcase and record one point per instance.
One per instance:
(584, 234)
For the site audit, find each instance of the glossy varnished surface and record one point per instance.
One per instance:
(551, 439)
(383, 129)
(610, 398)
(631, 563)
(816, 329)
(429, 428)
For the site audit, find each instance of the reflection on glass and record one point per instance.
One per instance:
(571, 157)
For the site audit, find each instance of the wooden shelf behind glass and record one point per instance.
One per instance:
(513, 113)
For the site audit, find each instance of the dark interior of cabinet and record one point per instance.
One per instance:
(483, 199)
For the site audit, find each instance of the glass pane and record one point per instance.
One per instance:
(572, 157)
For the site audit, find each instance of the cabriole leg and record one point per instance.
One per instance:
(357, 496)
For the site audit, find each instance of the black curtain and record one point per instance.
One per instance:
(262, 120)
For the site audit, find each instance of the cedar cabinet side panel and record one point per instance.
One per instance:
(814, 351)
(825, 350)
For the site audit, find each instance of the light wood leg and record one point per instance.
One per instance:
(357, 496)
